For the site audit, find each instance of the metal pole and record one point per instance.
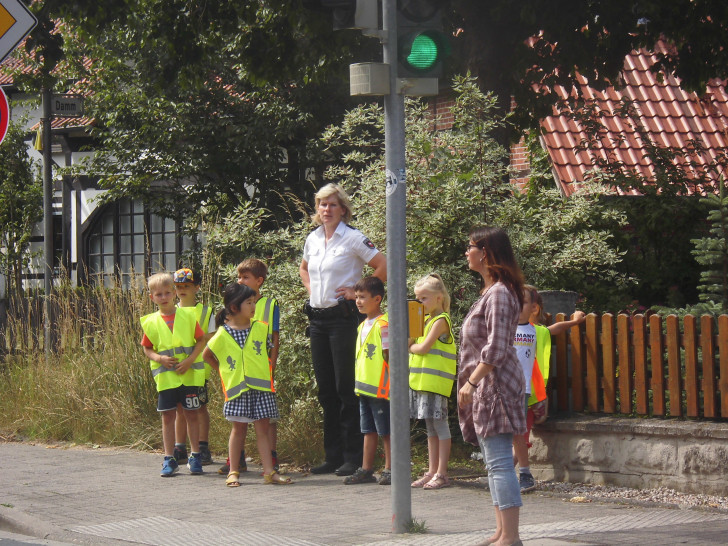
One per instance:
(46, 96)
(397, 280)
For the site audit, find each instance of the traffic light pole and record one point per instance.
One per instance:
(394, 141)
(47, 95)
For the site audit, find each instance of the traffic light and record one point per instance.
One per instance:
(421, 43)
(360, 14)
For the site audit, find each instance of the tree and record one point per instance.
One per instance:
(21, 207)
(711, 251)
(524, 49)
(217, 101)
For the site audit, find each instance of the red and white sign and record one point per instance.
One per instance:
(4, 115)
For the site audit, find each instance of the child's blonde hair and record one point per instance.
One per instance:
(433, 283)
(536, 298)
(159, 280)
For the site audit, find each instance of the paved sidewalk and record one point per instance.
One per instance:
(113, 496)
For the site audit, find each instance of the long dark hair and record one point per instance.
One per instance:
(233, 297)
(500, 260)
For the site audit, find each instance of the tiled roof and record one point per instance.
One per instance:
(668, 114)
(57, 122)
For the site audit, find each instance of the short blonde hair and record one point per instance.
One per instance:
(433, 283)
(332, 190)
(159, 280)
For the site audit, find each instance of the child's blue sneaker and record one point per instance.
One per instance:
(194, 464)
(169, 467)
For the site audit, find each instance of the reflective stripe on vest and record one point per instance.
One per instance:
(178, 342)
(263, 311)
(371, 372)
(541, 365)
(436, 370)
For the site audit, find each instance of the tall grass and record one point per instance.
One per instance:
(96, 386)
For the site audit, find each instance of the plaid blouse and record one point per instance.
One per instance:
(487, 336)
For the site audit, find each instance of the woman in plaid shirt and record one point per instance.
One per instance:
(491, 382)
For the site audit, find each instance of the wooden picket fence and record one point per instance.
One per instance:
(642, 365)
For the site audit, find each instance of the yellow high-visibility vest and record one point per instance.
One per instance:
(371, 372)
(434, 371)
(178, 342)
(204, 313)
(264, 311)
(243, 368)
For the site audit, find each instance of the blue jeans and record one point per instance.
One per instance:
(498, 455)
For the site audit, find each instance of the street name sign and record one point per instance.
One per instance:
(16, 22)
(67, 106)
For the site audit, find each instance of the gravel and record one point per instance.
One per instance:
(581, 492)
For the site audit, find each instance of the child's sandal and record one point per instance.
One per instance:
(438, 481)
(426, 477)
(232, 479)
(276, 479)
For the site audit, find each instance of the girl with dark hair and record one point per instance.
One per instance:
(239, 352)
(491, 383)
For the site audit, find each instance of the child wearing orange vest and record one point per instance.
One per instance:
(528, 340)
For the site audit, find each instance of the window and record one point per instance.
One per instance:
(126, 239)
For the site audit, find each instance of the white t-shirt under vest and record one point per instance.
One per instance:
(525, 344)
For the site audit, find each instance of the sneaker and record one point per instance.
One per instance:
(194, 464)
(205, 455)
(385, 478)
(527, 482)
(169, 467)
(360, 476)
(180, 454)
(346, 469)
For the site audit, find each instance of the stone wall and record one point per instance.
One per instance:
(688, 456)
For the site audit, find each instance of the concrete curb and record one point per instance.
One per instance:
(15, 521)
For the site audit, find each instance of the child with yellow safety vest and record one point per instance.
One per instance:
(433, 367)
(371, 380)
(533, 346)
(187, 285)
(252, 273)
(239, 352)
(172, 342)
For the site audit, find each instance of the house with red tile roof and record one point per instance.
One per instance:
(662, 114)
(92, 241)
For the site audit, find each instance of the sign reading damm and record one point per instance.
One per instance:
(67, 106)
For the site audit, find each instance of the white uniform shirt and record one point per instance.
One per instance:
(525, 344)
(337, 263)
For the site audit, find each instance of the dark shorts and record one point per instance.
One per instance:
(374, 415)
(189, 397)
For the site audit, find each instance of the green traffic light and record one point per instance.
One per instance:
(424, 52)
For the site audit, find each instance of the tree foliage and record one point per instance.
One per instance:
(525, 49)
(711, 252)
(21, 206)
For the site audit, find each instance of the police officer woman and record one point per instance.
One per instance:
(334, 257)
